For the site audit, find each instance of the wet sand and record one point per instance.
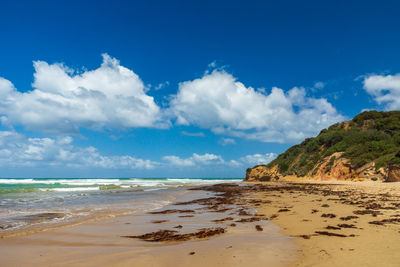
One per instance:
(110, 242)
(266, 224)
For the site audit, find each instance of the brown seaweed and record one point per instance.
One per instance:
(171, 235)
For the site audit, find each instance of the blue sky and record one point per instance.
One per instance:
(184, 88)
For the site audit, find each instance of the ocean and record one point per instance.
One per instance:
(39, 203)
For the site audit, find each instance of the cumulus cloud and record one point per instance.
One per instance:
(61, 101)
(385, 89)
(219, 102)
(257, 159)
(114, 97)
(17, 150)
(194, 160)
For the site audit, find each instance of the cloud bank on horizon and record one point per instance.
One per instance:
(113, 97)
(17, 150)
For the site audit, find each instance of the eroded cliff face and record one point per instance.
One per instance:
(393, 174)
(335, 167)
(340, 169)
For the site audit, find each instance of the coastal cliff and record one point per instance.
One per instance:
(364, 148)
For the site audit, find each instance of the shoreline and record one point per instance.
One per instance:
(307, 223)
(106, 239)
(36, 203)
(48, 220)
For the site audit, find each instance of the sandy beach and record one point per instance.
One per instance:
(265, 224)
(365, 213)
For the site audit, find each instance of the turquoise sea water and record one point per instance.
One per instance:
(42, 202)
(21, 185)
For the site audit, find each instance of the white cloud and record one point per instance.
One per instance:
(195, 134)
(175, 160)
(257, 159)
(319, 85)
(212, 159)
(212, 65)
(227, 141)
(384, 89)
(6, 88)
(161, 85)
(16, 150)
(194, 160)
(114, 97)
(207, 158)
(226, 106)
(110, 96)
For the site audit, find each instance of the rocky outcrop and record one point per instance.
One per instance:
(333, 167)
(393, 174)
(262, 173)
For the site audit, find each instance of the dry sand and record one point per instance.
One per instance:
(371, 245)
(302, 212)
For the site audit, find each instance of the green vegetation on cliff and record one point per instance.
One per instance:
(370, 136)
